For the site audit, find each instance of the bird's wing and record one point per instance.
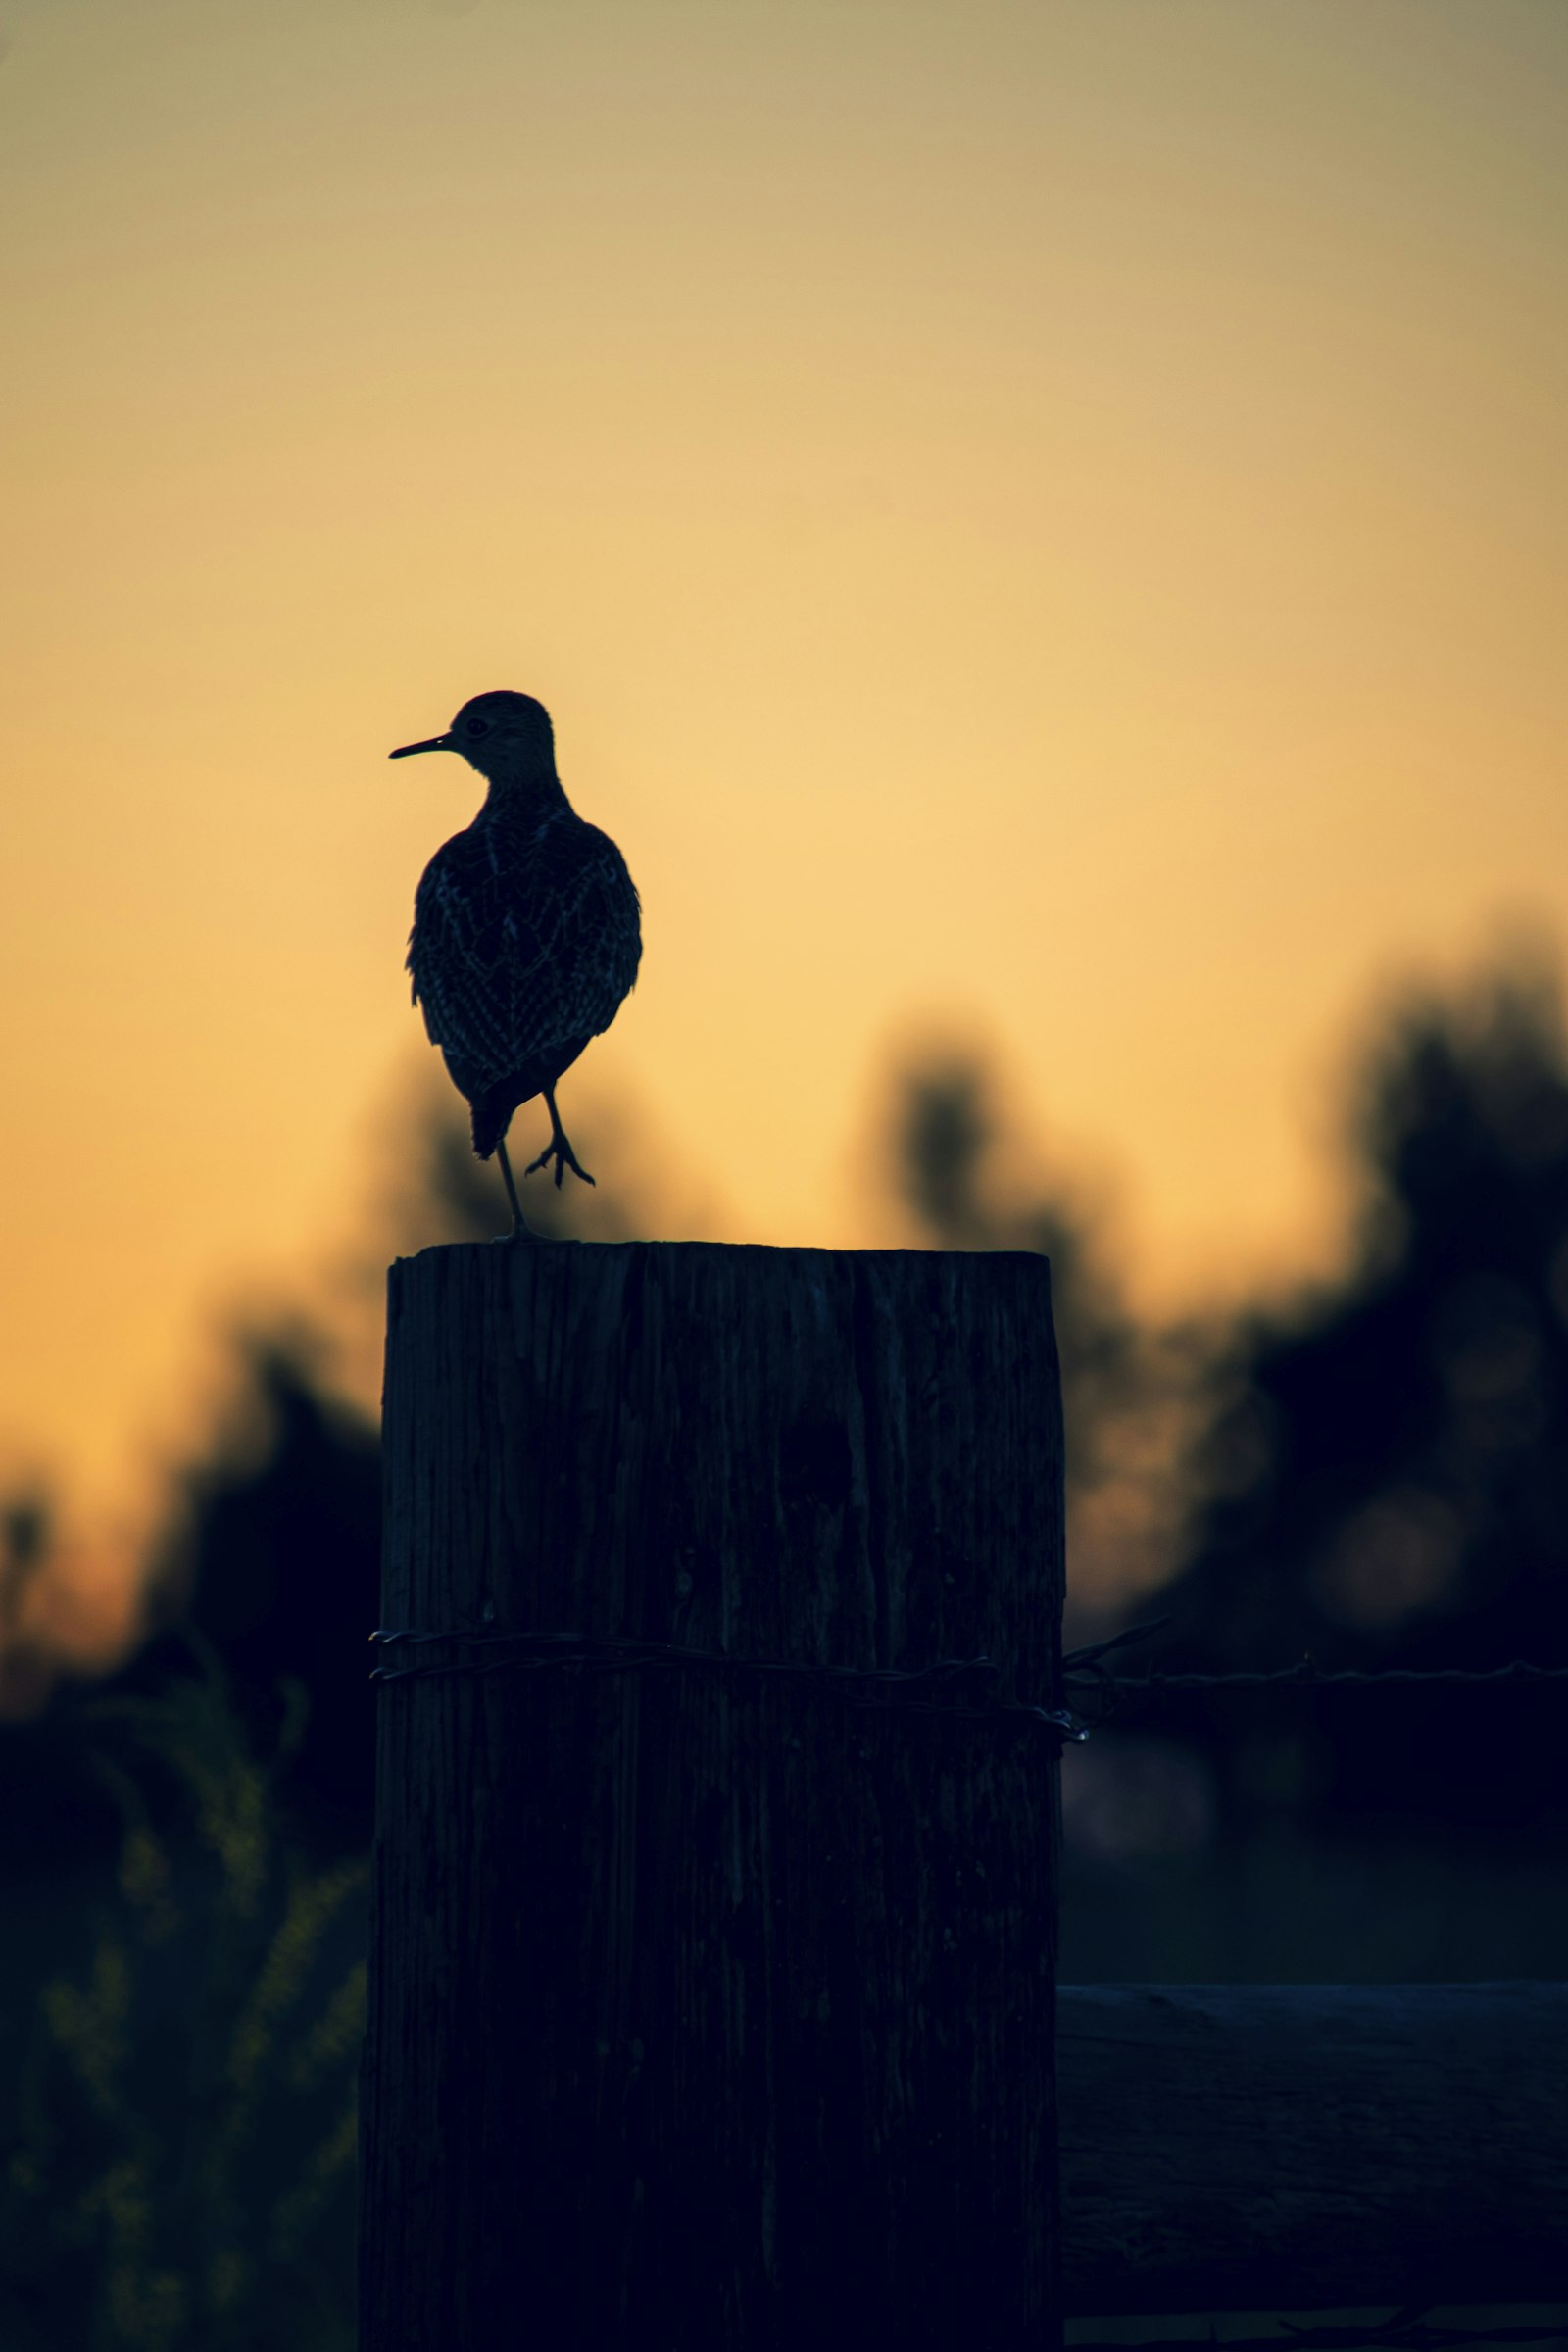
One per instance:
(607, 924)
(515, 957)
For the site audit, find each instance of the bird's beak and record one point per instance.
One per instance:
(431, 743)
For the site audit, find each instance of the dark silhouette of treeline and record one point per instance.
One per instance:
(1382, 1480)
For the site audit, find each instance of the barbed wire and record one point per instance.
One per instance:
(967, 1686)
(1086, 1676)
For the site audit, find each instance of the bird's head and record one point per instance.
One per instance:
(506, 737)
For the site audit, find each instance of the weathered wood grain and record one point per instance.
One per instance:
(1233, 2147)
(711, 2012)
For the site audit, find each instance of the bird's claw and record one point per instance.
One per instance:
(561, 1152)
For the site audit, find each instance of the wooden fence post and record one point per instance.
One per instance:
(707, 2008)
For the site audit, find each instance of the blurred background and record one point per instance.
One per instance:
(1042, 532)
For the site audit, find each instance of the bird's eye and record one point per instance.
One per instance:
(476, 727)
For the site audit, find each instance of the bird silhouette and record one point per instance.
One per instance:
(526, 931)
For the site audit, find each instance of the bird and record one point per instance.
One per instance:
(527, 931)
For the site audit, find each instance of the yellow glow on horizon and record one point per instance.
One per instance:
(1046, 519)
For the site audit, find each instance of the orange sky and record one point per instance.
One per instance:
(1043, 517)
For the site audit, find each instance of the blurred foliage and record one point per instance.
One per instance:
(273, 1556)
(25, 1542)
(24, 1551)
(1129, 1392)
(1383, 1476)
(949, 1143)
(179, 2152)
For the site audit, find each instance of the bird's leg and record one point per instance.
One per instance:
(558, 1149)
(519, 1227)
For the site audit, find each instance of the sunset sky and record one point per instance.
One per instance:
(1038, 518)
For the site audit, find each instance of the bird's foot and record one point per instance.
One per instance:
(561, 1152)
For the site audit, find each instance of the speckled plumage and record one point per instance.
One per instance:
(526, 925)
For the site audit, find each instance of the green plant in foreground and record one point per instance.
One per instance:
(179, 2167)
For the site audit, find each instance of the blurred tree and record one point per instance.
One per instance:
(1384, 1479)
(949, 1154)
(273, 1560)
(969, 1183)
(50, 1810)
(25, 1539)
